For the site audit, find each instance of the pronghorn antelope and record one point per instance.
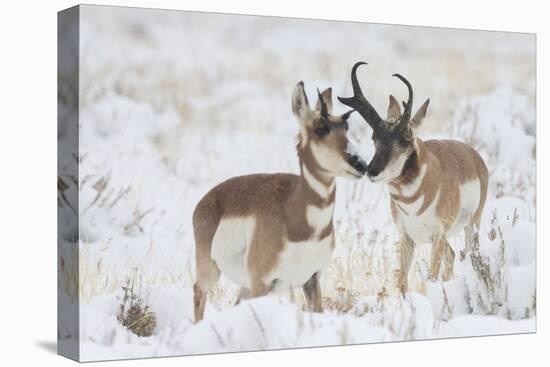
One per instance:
(437, 187)
(274, 231)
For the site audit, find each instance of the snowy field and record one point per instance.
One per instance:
(172, 103)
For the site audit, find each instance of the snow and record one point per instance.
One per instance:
(173, 103)
(449, 299)
(474, 325)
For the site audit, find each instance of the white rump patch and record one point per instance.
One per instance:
(230, 247)
(470, 193)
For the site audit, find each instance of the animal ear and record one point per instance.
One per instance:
(394, 110)
(327, 98)
(300, 105)
(420, 114)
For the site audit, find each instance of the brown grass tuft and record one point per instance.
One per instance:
(134, 313)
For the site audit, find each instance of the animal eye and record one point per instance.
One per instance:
(403, 142)
(321, 130)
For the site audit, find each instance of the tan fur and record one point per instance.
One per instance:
(450, 164)
(436, 187)
(279, 205)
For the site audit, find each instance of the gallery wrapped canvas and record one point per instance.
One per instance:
(239, 183)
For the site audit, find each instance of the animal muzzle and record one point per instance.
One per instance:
(357, 163)
(372, 171)
(377, 165)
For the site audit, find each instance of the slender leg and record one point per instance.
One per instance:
(259, 288)
(244, 294)
(448, 259)
(208, 274)
(312, 291)
(407, 246)
(439, 244)
(199, 298)
(207, 271)
(470, 233)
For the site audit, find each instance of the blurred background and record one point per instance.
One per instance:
(210, 67)
(172, 103)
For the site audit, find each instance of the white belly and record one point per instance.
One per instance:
(230, 247)
(299, 261)
(296, 263)
(421, 228)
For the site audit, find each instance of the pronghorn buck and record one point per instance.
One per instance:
(437, 187)
(274, 231)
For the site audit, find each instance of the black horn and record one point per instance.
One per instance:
(406, 105)
(346, 115)
(359, 103)
(324, 110)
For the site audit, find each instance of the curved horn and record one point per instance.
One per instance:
(359, 103)
(406, 105)
(324, 111)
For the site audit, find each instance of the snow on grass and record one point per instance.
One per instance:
(174, 103)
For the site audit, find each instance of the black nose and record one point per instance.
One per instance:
(358, 163)
(372, 171)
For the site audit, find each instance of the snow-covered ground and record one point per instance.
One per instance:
(173, 103)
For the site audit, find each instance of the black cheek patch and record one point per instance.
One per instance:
(381, 157)
(385, 155)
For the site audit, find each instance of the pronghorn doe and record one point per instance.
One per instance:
(274, 231)
(437, 187)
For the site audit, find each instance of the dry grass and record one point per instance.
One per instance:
(134, 313)
(365, 264)
(491, 275)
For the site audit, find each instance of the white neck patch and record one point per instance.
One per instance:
(319, 218)
(316, 185)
